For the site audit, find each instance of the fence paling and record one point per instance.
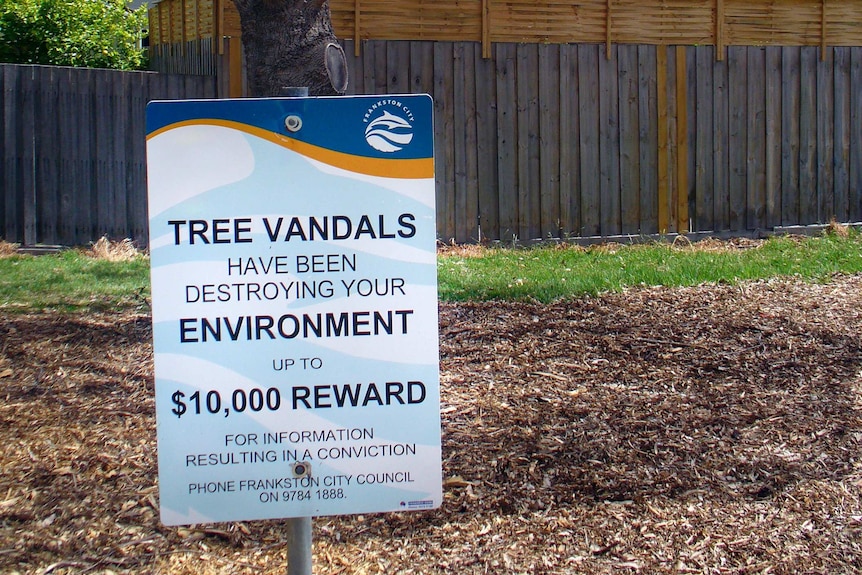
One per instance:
(539, 141)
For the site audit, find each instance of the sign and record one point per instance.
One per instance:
(294, 288)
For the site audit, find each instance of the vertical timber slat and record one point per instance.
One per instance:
(648, 139)
(5, 149)
(630, 138)
(704, 217)
(486, 149)
(48, 157)
(27, 173)
(444, 142)
(790, 99)
(570, 197)
(507, 164)
(825, 113)
(808, 136)
(737, 79)
(681, 140)
(773, 136)
(721, 146)
(528, 182)
(486, 29)
(663, 144)
(841, 132)
(756, 140)
(588, 96)
(549, 140)
(472, 52)
(357, 28)
(68, 111)
(461, 130)
(719, 30)
(855, 201)
(609, 146)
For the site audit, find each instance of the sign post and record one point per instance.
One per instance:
(293, 264)
(299, 555)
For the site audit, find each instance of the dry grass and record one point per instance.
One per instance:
(716, 245)
(7, 249)
(836, 229)
(681, 243)
(462, 250)
(713, 430)
(121, 251)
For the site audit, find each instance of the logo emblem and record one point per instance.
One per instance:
(390, 127)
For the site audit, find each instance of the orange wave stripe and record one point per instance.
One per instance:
(385, 168)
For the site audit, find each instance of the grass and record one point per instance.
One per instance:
(548, 273)
(73, 280)
(114, 276)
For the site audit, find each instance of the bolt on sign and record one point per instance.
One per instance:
(294, 291)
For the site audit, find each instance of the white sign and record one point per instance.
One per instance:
(294, 292)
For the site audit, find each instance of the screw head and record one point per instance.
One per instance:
(301, 469)
(293, 123)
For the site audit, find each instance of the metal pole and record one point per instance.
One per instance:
(299, 546)
(295, 91)
(299, 554)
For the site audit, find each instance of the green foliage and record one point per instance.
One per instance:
(88, 33)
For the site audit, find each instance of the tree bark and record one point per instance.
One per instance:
(290, 43)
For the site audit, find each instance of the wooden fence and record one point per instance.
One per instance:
(659, 22)
(604, 117)
(540, 141)
(559, 141)
(73, 151)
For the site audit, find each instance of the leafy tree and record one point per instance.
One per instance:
(91, 33)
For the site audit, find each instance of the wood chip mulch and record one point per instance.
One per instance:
(714, 429)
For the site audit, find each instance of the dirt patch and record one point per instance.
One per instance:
(712, 430)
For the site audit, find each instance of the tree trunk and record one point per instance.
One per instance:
(290, 43)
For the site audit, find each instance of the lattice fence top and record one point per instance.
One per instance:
(661, 22)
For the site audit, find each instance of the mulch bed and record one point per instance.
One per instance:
(714, 429)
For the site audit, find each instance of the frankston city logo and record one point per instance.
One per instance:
(389, 126)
